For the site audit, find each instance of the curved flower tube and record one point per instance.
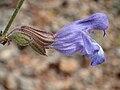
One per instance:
(72, 38)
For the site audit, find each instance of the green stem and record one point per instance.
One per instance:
(13, 16)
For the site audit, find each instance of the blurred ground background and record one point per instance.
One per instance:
(23, 69)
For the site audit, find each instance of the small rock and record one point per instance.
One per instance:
(58, 85)
(3, 73)
(97, 73)
(2, 87)
(68, 66)
(77, 86)
(11, 83)
(86, 77)
(6, 2)
(118, 51)
(27, 83)
(84, 73)
(8, 53)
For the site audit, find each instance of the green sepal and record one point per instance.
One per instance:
(20, 38)
(39, 49)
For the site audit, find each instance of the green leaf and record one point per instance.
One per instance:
(20, 38)
(39, 49)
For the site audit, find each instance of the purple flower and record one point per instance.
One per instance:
(72, 38)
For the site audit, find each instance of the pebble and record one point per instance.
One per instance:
(11, 82)
(2, 87)
(58, 85)
(8, 53)
(26, 83)
(3, 73)
(68, 65)
(86, 77)
(117, 51)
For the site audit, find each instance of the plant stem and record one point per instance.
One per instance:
(20, 2)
